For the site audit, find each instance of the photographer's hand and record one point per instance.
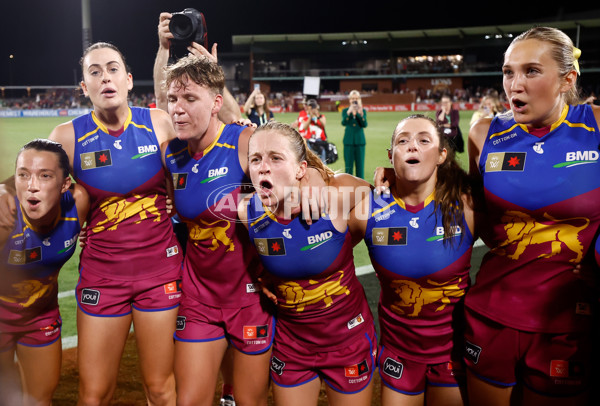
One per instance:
(164, 34)
(198, 50)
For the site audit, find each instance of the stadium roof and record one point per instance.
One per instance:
(439, 38)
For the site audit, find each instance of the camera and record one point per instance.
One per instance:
(187, 26)
(355, 102)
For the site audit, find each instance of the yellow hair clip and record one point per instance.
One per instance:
(576, 55)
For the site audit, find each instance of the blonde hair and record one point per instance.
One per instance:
(354, 93)
(298, 146)
(199, 70)
(562, 52)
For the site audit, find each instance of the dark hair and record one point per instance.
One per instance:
(199, 70)
(451, 184)
(299, 147)
(100, 45)
(41, 144)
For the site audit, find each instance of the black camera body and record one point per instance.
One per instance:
(187, 26)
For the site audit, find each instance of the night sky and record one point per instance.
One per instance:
(44, 36)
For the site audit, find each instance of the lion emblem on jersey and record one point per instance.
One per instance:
(215, 231)
(118, 209)
(29, 291)
(414, 296)
(522, 230)
(298, 297)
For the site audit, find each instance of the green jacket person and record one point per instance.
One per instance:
(354, 119)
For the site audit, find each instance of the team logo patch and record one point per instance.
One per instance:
(90, 297)
(172, 251)
(389, 236)
(180, 324)
(251, 332)
(357, 321)
(172, 287)
(277, 365)
(25, 257)
(270, 246)
(565, 369)
(97, 159)
(357, 370)
(180, 180)
(505, 161)
(472, 351)
(393, 368)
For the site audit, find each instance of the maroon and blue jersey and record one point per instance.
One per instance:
(30, 265)
(130, 235)
(542, 210)
(320, 301)
(423, 277)
(220, 266)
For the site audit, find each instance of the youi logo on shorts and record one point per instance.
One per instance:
(316, 240)
(90, 297)
(214, 174)
(145, 150)
(579, 158)
(277, 365)
(472, 351)
(393, 368)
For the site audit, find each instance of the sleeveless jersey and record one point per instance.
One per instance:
(130, 235)
(542, 198)
(220, 265)
(31, 262)
(423, 278)
(320, 301)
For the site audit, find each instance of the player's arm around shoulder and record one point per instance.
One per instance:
(82, 202)
(359, 216)
(64, 134)
(477, 135)
(243, 142)
(345, 192)
(161, 121)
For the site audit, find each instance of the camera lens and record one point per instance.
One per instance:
(182, 27)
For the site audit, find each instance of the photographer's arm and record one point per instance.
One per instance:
(161, 60)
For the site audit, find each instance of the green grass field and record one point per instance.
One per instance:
(15, 132)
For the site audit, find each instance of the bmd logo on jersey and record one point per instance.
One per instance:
(214, 174)
(439, 233)
(579, 158)
(145, 150)
(316, 240)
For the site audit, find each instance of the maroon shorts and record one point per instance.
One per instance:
(346, 370)
(31, 335)
(249, 329)
(549, 364)
(113, 298)
(412, 377)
